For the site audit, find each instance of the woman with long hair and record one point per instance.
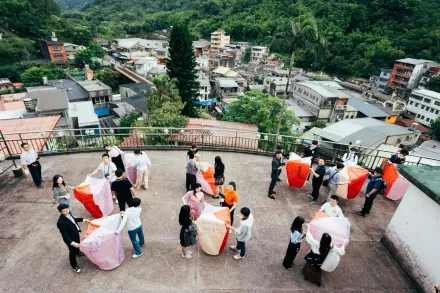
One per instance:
(323, 256)
(219, 176)
(60, 191)
(195, 199)
(296, 237)
(185, 221)
(230, 200)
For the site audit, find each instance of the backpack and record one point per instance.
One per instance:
(383, 188)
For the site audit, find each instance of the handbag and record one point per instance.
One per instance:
(313, 259)
(326, 181)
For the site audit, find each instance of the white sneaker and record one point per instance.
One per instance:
(189, 252)
(137, 255)
(233, 247)
(187, 256)
(238, 256)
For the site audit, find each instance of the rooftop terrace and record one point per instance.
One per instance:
(34, 258)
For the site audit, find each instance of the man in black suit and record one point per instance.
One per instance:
(276, 167)
(67, 224)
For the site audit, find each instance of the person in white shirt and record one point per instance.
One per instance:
(331, 208)
(29, 161)
(141, 163)
(132, 217)
(115, 155)
(106, 168)
(350, 158)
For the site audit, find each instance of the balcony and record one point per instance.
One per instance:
(246, 160)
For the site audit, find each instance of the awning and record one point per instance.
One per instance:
(218, 110)
(101, 112)
(203, 102)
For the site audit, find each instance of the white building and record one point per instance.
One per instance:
(204, 86)
(138, 44)
(259, 53)
(146, 66)
(82, 115)
(424, 105)
(71, 50)
(379, 83)
(325, 99)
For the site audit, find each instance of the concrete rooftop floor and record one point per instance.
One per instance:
(34, 258)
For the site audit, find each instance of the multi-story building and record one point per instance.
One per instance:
(53, 50)
(71, 50)
(379, 83)
(323, 98)
(259, 53)
(424, 105)
(406, 75)
(219, 40)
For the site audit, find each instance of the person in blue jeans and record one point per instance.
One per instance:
(243, 232)
(132, 217)
(374, 187)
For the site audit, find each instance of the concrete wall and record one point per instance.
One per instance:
(413, 238)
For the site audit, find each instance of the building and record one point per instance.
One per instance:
(417, 214)
(138, 45)
(200, 46)
(13, 97)
(11, 110)
(259, 53)
(75, 93)
(99, 93)
(131, 89)
(369, 132)
(36, 131)
(325, 99)
(274, 79)
(424, 105)
(357, 108)
(219, 39)
(147, 66)
(379, 83)
(82, 116)
(53, 102)
(53, 50)
(6, 85)
(359, 81)
(411, 123)
(406, 75)
(204, 86)
(71, 50)
(305, 117)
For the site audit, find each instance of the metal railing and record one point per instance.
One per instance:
(150, 138)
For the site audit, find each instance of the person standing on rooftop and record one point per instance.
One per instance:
(276, 167)
(192, 167)
(141, 164)
(279, 148)
(115, 155)
(192, 152)
(219, 176)
(334, 180)
(30, 163)
(318, 177)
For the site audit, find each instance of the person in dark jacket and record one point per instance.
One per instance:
(375, 186)
(311, 151)
(318, 178)
(276, 167)
(115, 155)
(296, 237)
(219, 176)
(398, 158)
(69, 229)
(185, 221)
(279, 148)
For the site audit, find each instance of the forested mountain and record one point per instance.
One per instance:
(71, 4)
(363, 35)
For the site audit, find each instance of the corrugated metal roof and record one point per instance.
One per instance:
(49, 100)
(227, 83)
(368, 130)
(138, 102)
(367, 109)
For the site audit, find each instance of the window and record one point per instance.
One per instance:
(407, 138)
(417, 104)
(415, 97)
(58, 56)
(56, 48)
(99, 100)
(431, 110)
(427, 100)
(418, 116)
(436, 112)
(410, 102)
(423, 117)
(423, 107)
(437, 103)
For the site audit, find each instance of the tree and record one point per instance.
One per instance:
(164, 90)
(83, 57)
(255, 107)
(110, 77)
(434, 84)
(34, 75)
(169, 115)
(96, 50)
(127, 121)
(181, 66)
(304, 36)
(435, 126)
(320, 124)
(13, 50)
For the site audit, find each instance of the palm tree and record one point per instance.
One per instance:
(303, 36)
